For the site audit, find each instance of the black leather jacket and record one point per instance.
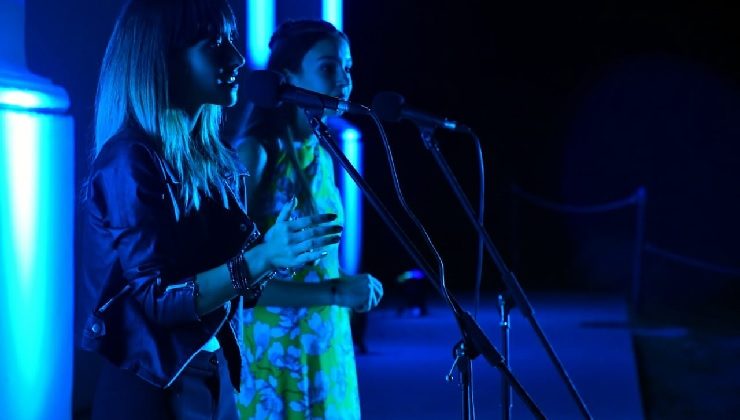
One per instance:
(141, 251)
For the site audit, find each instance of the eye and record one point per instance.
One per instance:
(328, 68)
(217, 41)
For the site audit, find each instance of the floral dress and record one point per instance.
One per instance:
(299, 362)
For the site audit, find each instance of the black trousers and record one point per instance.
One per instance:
(202, 391)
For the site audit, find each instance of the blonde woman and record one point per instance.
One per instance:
(169, 251)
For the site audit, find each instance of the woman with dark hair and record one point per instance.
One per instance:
(298, 344)
(169, 252)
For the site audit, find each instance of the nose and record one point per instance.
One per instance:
(345, 78)
(344, 82)
(235, 58)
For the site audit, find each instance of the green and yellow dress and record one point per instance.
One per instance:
(299, 362)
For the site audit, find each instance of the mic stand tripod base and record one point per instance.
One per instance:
(464, 365)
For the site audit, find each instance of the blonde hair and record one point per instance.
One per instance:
(133, 89)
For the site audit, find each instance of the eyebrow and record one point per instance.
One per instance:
(331, 58)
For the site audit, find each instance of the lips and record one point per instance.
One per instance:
(230, 80)
(227, 77)
(340, 95)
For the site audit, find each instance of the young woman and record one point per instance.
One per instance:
(169, 251)
(298, 344)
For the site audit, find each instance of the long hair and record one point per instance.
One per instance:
(288, 45)
(133, 89)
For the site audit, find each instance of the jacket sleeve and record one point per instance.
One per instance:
(131, 198)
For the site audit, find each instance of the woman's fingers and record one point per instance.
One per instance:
(376, 291)
(372, 298)
(316, 243)
(315, 232)
(377, 287)
(300, 259)
(296, 242)
(367, 291)
(287, 209)
(309, 256)
(309, 221)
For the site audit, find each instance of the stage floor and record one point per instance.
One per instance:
(403, 374)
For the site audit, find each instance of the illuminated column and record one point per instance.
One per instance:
(350, 248)
(350, 140)
(263, 15)
(260, 25)
(331, 11)
(36, 234)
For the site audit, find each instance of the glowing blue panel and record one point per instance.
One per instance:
(331, 11)
(351, 198)
(260, 25)
(11, 97)
(36, 257)
(350, 135)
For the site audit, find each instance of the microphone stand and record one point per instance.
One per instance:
(474, 340)
(505, 325)
(513, 286)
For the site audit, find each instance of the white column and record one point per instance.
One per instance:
(36, 234)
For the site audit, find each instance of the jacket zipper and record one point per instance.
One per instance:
(179, 371)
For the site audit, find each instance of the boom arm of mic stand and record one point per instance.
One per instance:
(473, 335)
(517, 293)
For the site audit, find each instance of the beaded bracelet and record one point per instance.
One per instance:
(241, 278)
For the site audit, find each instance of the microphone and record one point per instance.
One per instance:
(268, 89)
(391, 106)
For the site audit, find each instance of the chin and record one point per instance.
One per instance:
(227, 101)
(226, 97)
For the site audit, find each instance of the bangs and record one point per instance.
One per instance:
(204, 19)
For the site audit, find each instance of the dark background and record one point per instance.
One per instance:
(576, 103)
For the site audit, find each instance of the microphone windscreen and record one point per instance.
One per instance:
(262, 87)
(388, 106)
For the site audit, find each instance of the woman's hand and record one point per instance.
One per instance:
(360, 292)
(293, 243)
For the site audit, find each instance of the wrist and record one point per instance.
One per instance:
(259, 262)
(242, 280)
(333, 292)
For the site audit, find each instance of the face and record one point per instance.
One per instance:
(205, 73)
(326, 69)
